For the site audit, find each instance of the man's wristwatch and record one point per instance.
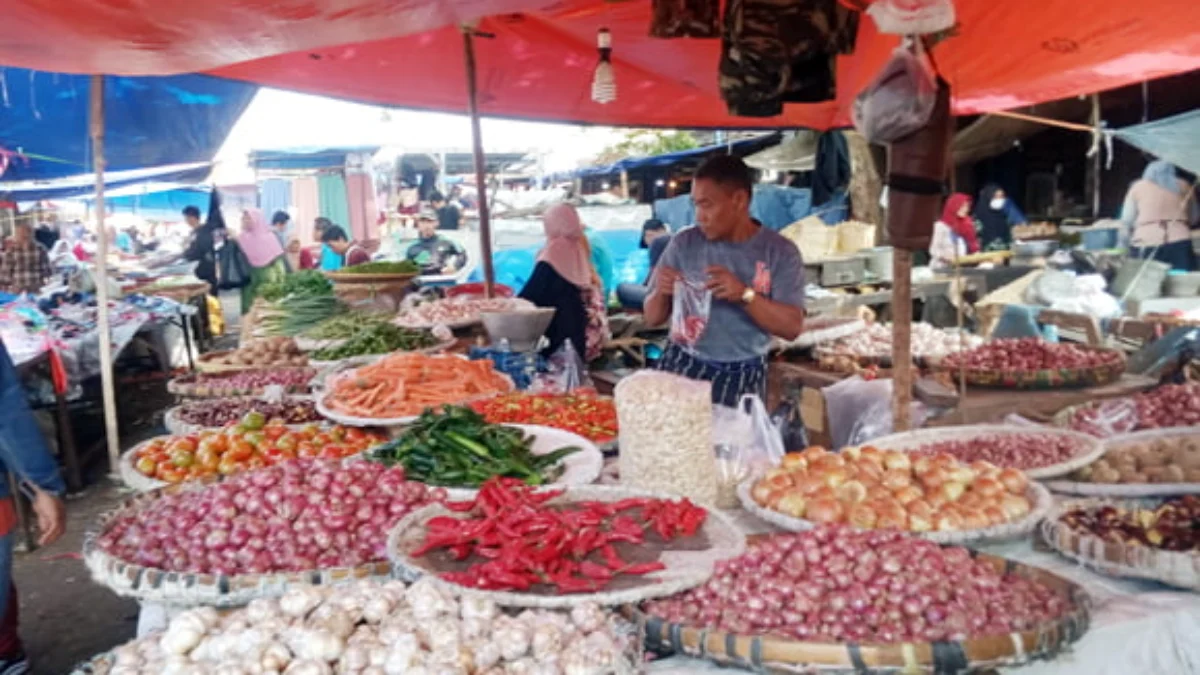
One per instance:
(748, 296)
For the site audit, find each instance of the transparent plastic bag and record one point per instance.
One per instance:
(900, 100)
(689, 313)
(745, 442)
(565, 372)
(1106, 419)
(861, 410)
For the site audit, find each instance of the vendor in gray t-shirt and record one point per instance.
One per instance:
(755, 277)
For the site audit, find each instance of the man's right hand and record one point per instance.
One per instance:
(51, 515)
(665, 278)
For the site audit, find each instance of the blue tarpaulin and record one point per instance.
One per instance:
(740, 148)
(160, 205)
(149, 121)
(81, 185)
(1175, 139)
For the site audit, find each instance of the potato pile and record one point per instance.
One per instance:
(273, 352)
(1173, 459)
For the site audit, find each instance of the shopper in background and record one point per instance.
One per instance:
(23, 452)
(351, 252)
(449, 215)
(1159, 213)
(953, 235)
(25, 264)
(432, 253)
(565, 279)
(997, 214)
(199, 248)
(262, 251)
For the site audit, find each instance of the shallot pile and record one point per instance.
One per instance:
(1018, 451)
(294, 516)
(243, 383)
(834, 584)
(381, 629)
(1027, 354)
(222, 411)
(1172, 405)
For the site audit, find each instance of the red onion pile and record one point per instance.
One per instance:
(1172, 405)
(254, 379)
(219, 412)
(295, 516)
(834, 584)
(1030, 354)
(1019, 451)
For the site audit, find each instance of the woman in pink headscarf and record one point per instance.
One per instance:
(564, 279)
(263, 252)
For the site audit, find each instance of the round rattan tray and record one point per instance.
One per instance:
(369, 278)
(175, 425)
(1038, 495)
(1050, 378)
(205, 364)
(686, 567)
(780, 655)
(1090, 447)
(187, 387)
(1175, 568)
(148, 584)
(1089, 489)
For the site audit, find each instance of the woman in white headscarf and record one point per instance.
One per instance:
(1159, 213)
(565, 279)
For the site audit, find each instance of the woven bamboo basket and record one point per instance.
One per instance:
(205, 364)
(1049, 378)
(1038, 496)
(780, 655)
(369, 278)
(720, 538)
(174, 423)
(1175, 568)
(148, 584)
(1090, 447)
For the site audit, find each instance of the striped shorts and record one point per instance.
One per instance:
(730, 380)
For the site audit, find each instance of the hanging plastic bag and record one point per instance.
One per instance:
(901, 98)
(912, 17)
(746, 442)
(689, 313)
(233, 266)
(565, 372)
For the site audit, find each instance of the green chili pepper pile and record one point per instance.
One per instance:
(379, 338)
(383, 267)
(523, 542)
(458, 448)
(303, 283)
(344, 326)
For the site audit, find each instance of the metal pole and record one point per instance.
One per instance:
(485, 224)
(100, 276)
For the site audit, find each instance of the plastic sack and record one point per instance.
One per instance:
(900, 100)
(861, 410)
(745, 441)
(912, 17)
(689, 313)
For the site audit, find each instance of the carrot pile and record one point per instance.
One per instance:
(405, 384)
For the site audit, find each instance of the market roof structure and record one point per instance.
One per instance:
(537, 59)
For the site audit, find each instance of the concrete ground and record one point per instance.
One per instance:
(66, 618)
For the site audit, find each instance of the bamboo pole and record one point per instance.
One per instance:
(902, 377)
(485, 224)
(100, 276)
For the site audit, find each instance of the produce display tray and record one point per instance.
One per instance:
(1089, 489)
(148, 584)
(1038, 495)
(365, 359)
(178, 427)
(183, 387)
(1092, 448)
(1049, 378)
(369, 278)
(780, 655)
(822, 329)
(205, 364)
(1175, 568)
(685, 567)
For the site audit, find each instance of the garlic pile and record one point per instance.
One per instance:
(381, 629)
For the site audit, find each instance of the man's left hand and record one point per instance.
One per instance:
(724, 284)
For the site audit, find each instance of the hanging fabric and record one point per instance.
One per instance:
(364, 216)
(275, 194)
(307, 204)
(331, 196)
(685, 18)
(782, 51)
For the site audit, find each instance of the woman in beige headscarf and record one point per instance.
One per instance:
(565, 279)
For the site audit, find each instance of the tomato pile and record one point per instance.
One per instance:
(590, 416)
(251, 444)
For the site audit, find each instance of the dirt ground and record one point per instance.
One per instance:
(65, 617)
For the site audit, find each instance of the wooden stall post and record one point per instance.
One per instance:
(100, 276)
(902, 376)
(485, 224)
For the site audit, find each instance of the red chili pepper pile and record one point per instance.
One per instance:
(588, 415)
(571, 547)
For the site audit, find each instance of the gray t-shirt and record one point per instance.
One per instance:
(767, 262)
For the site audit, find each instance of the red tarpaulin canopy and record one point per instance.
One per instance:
(1008, 53)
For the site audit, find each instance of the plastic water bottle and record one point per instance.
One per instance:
(503, 347)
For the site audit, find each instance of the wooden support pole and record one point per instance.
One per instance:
(100, 276)
(625, 185)
(902, 370)
(485, 224)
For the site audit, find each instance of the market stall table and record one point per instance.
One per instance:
(1136, 626)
